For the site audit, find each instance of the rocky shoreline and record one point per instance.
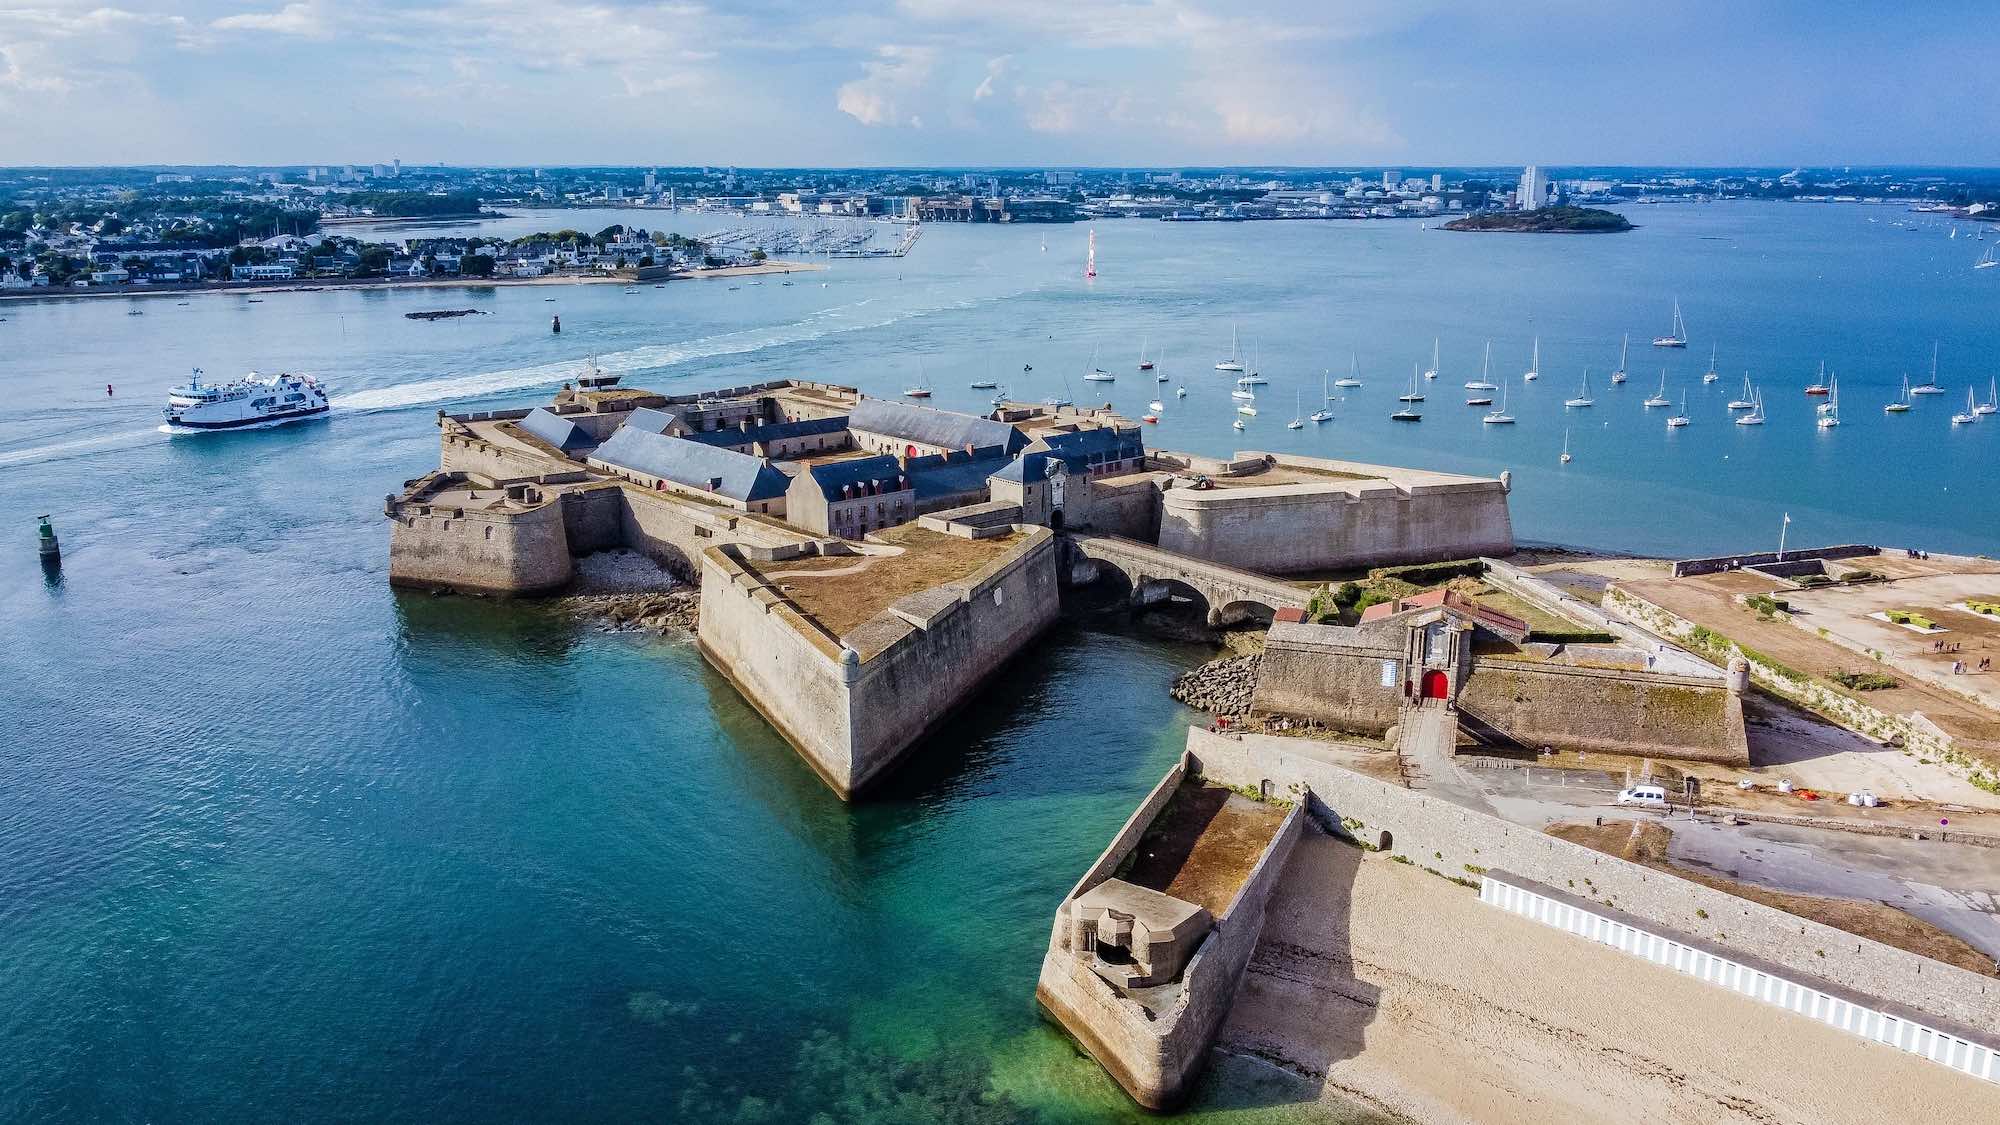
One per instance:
(1220, 687)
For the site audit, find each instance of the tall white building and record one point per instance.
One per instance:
(1534, 188)
(1437, 181)
(652, 180)
(1390, 179)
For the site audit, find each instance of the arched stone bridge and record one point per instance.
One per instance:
(1231, 595)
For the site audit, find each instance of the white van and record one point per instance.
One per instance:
(1652, 796)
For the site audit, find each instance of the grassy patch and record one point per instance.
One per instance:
(1864, 681)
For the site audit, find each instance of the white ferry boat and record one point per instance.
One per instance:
(250, 401)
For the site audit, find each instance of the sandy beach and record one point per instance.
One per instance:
(1388, 984)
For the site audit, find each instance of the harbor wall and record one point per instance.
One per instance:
(1158, 1056)
(673, 530)
(1330, 675)
(1458, 841)
(1288, 528)
(450, 548)
(1688, 567)
(851, 717)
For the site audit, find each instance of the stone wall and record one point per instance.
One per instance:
(1130, 508)
(475, 551)
(593, 518)
(463, 452)
(852, 718)
(674, 531)
(1157, 1056)
(1608, 710)
(1288, 528)
(1330, 675)
(1458, 842)
(1687, 567)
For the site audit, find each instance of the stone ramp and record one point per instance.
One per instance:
(1427, 741)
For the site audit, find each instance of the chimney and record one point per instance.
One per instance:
(743, 425)
(903, 460)
(847, 492)
(715, 484)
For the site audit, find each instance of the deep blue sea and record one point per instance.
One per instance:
(279, 843)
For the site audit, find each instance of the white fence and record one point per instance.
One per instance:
(1553, 908)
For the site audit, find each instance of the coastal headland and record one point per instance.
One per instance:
(1545, 220)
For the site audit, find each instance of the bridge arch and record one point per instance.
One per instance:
(1244, 610)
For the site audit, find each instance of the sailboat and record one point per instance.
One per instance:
(1710, 375)
(1244, 393)
(1829, 411)
(1681, 419)
(1479, 400)
(1748, 400)
(1969, 414)
(1534, 370)
(1902, 402)
(1251, 380)
(1433, 372)
(1986, 261)
(1409, 412)
(1162, 376)
(1090, 261)
(1144, 363)
(1678, 338)
(1582, 398)
(1235, 360)
(1819, 386)
(1247, 409)
(1323, 414)
(1618, 376)
(922, 387)
(1992, 403)
(1298, 421)
(1500, 417)
(1756, 415)
(1566, 457)
(987, 383)
(1660, 396)
(1097, 374)
(1000, 399)
(1353, 367)
(1930, 385)
(1486, 365)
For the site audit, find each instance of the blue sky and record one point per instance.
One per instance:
(1028, 82)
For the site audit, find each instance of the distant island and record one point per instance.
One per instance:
(1578, 220)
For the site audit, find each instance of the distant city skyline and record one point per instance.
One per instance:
(952, 82)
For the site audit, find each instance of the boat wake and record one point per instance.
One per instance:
(828, 322)
(93, 444)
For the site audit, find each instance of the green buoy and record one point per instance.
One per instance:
(51, 549)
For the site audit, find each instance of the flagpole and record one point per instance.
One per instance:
(1782, 528)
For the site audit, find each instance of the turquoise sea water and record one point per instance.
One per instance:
(280, 843)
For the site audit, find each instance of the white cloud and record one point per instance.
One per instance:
(892, 84)
(305, 20)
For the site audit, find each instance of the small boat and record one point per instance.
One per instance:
(545, 300)
(1144, 363)
(135, 312)
(1000, 400)
(1970, 414)
(1930, 386)
(1618, 376)
(1482, 400)
(1749, 399)
(1820, 386)
(1235, 360)
(1097, 374)
(1582, 398)
(1323, 414)
(1756, 415)
(1677, 338)
(1986, 261)
(1153, 418)
(1902, 403)
(1660, 396)
(1298, 421)
(1710, 375)
(1992, 403)
(1534, 370)
(1246, 396)
(253, 300)
(919, 389)
(1681, 419)
(1027, 367)
(1247, 410)
(1156, 405)
(1180, 392)
(1409, 412)
(1353, 367)
(1500, 417)
(1565, 456)
(1251, 381)
(984, 385)
(1238, 423)
(1829, 411)
(1433, 372)
(1483, 383)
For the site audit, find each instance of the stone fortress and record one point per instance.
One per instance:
(867, 563)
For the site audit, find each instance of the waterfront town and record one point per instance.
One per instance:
(1406, 700)
(133, 230)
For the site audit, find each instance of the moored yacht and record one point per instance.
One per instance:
(1902, 403)
(1930, 386)
(1582, 398)
(1749, 399)
(1618, 376)
(1483, 383)
(1992, 403)
(1660, 396)
(1678, 338)
(1235, 360)
(250, 401)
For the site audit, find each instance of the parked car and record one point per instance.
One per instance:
(1650, 796)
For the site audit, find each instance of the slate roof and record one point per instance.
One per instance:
(1081, 448)
(772, 431)
(939, 476)
(1025, 468)
(924, 425)
(556, 430)
(651, 420)
(738, 476)
(832, 476)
